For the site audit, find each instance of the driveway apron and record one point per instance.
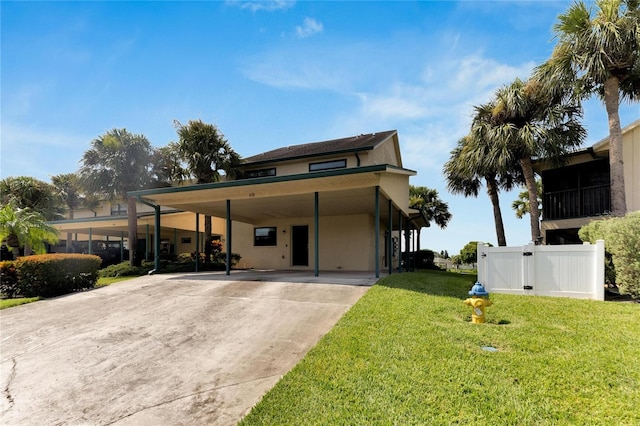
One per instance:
(163, 349)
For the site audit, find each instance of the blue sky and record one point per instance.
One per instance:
(269, 74)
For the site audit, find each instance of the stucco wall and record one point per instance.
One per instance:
(346, 243)
(631, 156)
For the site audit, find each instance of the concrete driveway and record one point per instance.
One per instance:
(164, 349)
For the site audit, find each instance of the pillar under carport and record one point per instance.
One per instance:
(377, 233)
(316, 223)
(228, 232)
(390, 240)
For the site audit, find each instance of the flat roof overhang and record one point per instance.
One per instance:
(341, 192)
(117, 226)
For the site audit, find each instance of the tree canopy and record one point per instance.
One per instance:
(27, 192)
(25, 227)
(598, 52)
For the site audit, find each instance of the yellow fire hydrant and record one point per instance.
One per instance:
(478, 301)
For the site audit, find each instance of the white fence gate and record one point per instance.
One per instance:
(564, 270)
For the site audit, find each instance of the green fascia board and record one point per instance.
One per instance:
(270, 179)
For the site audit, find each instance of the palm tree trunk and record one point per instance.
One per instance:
(207, 239)
(530, 181)
(492, 191)
(132, 216)
(616, 165)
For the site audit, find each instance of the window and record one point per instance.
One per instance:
(185, 240)
(266, 236)
(328, 165)
(259, 173)
(118, 210)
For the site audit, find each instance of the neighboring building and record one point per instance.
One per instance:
(579, 192)
(104, 231)
(333, 205)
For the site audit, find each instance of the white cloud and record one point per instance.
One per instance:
(309, 27)
(266, 5)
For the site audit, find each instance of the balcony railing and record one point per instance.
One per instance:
(587, 201)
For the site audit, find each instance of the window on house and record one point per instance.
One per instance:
(185, 240)
(328, 165)
(266, 236)
(118, 209)
(259, 173)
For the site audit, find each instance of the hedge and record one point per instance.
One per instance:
(50, 275)
(8, 279)
(622, 241)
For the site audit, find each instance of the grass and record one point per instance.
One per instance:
(102, 282)
(407, 354)
(10, 303)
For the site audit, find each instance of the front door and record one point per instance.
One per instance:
(300, 245)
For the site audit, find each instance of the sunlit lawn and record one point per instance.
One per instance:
(406, 354)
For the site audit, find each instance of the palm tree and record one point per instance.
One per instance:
(119, 162)
(521, 205)
(24, 227)
(24, 191)
(469, 163)
(206, 153)
(432, 207)
(525, 121)
(599, 52)
(68, 187)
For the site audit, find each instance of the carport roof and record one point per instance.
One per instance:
(342, 191)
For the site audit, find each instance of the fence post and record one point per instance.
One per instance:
(598, 276)
(481, 257)
(529, 269)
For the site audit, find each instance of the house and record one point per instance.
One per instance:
(579, 192)
(333, 205)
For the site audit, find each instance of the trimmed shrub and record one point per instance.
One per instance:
(622, 242)
(8, 279)
(50, 275)
(125, 269)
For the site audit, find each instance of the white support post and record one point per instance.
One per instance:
(598, 276)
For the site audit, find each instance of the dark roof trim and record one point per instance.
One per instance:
(347, 145)
(271, 179)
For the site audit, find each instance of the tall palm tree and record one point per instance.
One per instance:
(432, 207)
(207, 153)
(525, 121)
(599, 52)
(469, 163)
(68, 187)
(24, 227)
(116, 163)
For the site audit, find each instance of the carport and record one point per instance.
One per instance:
(370, 190)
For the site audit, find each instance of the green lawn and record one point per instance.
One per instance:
(406, 354)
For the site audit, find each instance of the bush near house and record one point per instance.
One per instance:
(622, 244)
(50, 275)
(8, 279)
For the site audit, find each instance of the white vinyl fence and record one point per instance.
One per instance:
(564, 270)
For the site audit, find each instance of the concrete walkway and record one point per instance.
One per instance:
(175, 349)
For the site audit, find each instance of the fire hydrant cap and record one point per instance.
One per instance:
(478, 290)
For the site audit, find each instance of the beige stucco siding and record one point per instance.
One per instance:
(386, 153)
(631, 156)
(346, 243)
(396, 187)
